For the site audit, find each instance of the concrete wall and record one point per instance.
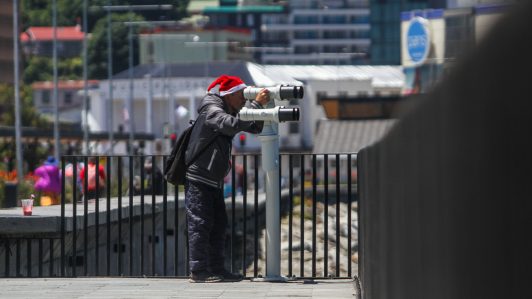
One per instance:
(20, 245)
(445, 200)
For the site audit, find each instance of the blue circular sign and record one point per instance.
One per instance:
(418, 40)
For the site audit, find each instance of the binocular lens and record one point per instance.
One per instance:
(291, 92)
(288, 114)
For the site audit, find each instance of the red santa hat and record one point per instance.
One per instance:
(225, 84)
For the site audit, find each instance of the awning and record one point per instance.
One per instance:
(349, 136)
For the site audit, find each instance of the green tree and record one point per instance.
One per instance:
(32, 151)
(70, 12)
(97, 48)
(39, 68)
(29, 115)
(39, 12)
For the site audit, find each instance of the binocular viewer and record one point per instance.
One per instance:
(277, 114)
(279, 92)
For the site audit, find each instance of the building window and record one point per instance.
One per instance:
(67, 98)
(305, 34)
(334, 34)
(306, 20)
(46, 97)
(334, 19)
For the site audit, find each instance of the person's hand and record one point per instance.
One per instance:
(263, 97)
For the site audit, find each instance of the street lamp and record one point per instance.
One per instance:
(110, 80)
(18, 137)
(85, 77)
(57, 143)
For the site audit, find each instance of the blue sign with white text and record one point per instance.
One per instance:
(418, 40)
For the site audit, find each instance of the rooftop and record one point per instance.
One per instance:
(72, 33)
(345, 136)
(64, 84)
(267, 75)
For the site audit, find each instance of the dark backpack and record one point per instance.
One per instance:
(176, 168)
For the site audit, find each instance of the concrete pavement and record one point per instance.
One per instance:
(112, 288)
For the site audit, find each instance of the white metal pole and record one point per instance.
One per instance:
(149, 108)
(269, 138)
(18, 136)
(270, 163)
(57, 143)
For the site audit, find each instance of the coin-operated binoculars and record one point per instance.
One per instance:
(269, 138)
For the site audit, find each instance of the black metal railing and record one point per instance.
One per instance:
(130, 222)
(26, 256)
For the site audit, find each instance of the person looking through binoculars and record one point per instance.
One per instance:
(208, 157)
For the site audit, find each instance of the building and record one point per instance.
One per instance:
(386, 23)
(166, 96)
(248, 14)
(299, 31)
(39, 41)
(6, 42)
(70, 98)
(449, 33)
(195, 46)
(386, 29)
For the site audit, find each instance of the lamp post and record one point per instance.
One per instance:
(55, 91)
(18, 137)
(110, 80)
(86, 147)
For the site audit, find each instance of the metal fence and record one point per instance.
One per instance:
(133, 223)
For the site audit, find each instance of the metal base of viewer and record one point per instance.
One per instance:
(273, 279)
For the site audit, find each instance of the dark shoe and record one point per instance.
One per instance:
(228, 276)
(204, 276)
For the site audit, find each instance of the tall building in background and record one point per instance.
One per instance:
(386, 28)
(240, 15)
(319, 32)
(6, 42)
(296, 31)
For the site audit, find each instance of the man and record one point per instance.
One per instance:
(209, 150)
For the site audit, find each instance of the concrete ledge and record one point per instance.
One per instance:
(47, 220)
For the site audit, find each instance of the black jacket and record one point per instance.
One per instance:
(216, 124)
